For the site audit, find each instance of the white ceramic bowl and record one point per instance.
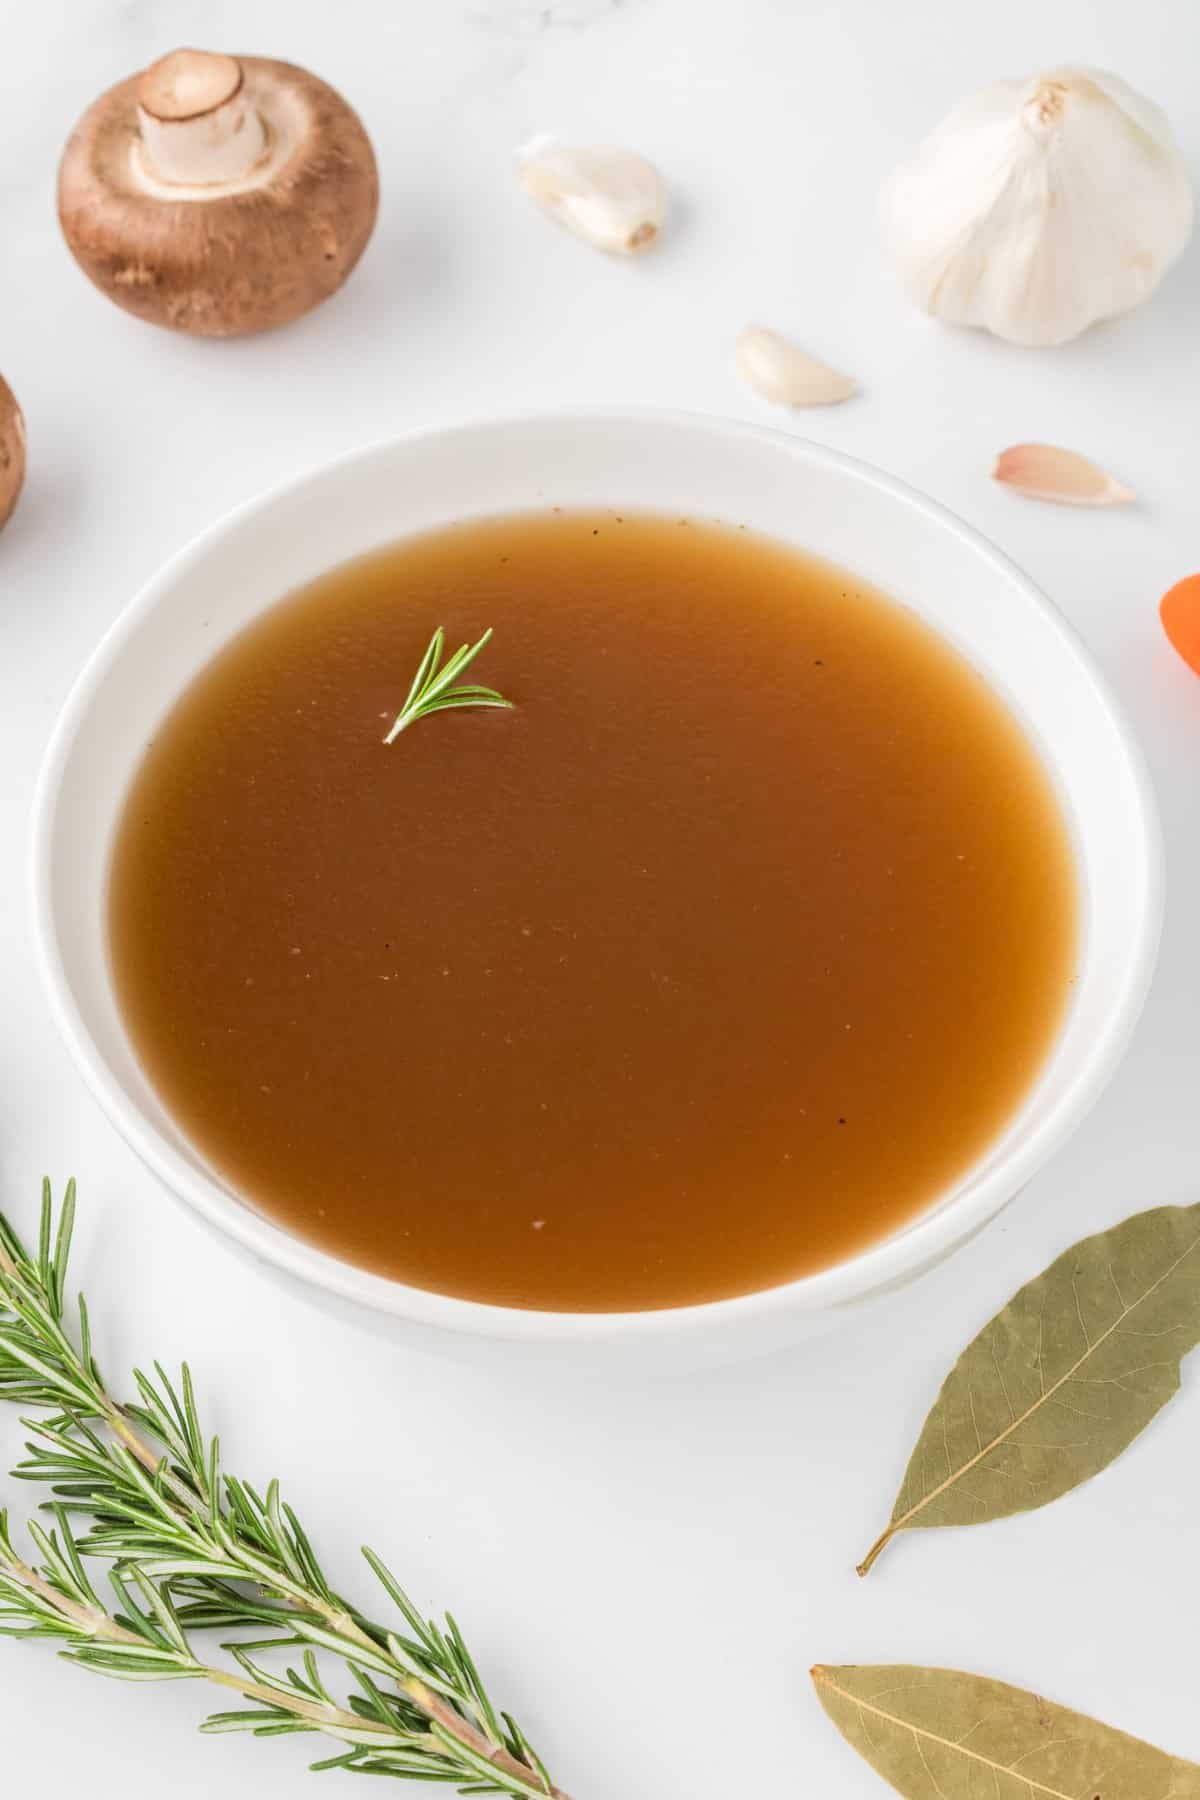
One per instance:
(773, 483)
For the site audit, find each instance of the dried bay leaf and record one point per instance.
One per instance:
(937, 1734)
(1061, 1380)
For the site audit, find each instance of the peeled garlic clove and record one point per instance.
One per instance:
(1043, 472)
(1039, 207)
(611, 198)
(784, 374)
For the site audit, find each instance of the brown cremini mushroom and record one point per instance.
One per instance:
(12, 451)
(218, 195)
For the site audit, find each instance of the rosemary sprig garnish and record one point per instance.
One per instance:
(195, 1551)
(432, 689)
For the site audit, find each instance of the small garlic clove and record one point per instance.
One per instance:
(1044, 472)
(611, 198)
(786, 375)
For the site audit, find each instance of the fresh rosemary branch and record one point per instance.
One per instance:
(194, 1551)
(432, 691)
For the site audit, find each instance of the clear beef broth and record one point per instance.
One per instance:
(715, 960)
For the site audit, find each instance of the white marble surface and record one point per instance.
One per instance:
(646, 1572)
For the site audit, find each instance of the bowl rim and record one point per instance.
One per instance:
(873, 1269)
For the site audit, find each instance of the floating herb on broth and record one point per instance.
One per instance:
(431, 690)
(194, 1551)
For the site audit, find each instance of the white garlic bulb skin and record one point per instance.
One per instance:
(1037, 208)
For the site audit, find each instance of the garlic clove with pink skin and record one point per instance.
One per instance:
(1044, 472)
(613, 199)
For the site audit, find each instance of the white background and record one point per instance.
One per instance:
(645, 1570)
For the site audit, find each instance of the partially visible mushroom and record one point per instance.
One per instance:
(218, 195)
(12, 451)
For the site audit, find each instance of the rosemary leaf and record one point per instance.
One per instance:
(432, 687)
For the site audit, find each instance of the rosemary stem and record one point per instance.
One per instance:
(452, 1722)
(154, 1462)
(319, 1712)
(87, 1618)
(93, 1623)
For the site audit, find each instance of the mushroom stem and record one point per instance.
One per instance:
(196, 125)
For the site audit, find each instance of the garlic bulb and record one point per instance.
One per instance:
(784, 374)
(611, 198)
(1039, 207)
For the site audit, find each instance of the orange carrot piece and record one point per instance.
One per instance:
(1179, 611)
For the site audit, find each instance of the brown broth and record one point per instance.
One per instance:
(716, 960)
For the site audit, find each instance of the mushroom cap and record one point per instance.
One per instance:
(12, 451)
(223, 262)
